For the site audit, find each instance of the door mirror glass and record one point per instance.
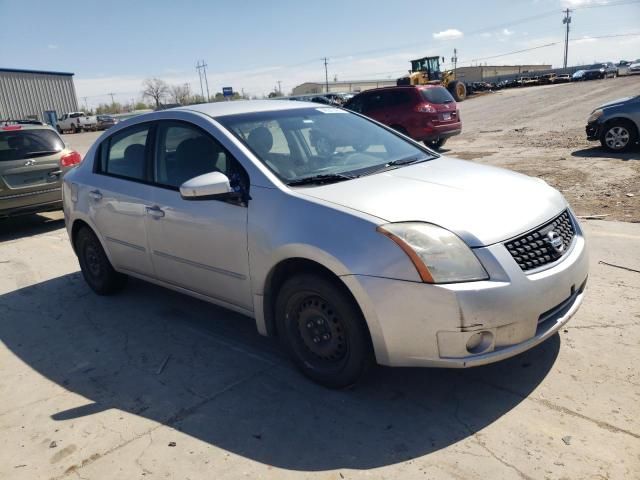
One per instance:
(208, 186)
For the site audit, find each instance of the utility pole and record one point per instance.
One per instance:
(280, 87)
(566, 20)
(86, 107)
(204, 69)
(112, 100)
(454, 60)
(326, 76)
(198, 67)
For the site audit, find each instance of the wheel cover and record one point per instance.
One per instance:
(617, 138)
(92, 260)
(319, 331)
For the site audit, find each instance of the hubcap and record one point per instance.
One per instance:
(320, 330)
(617, 138)
(92, 260)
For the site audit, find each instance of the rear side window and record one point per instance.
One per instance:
(124, 153)
(437, 95)
(19, 144)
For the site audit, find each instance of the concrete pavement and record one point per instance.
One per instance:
(154, 384)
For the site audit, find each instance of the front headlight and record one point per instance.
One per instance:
(438, 255)
(596, 114)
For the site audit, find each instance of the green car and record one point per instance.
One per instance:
(33, 160)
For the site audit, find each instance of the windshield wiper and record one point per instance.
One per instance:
(407, 160)
(41, 152)
(323, 178)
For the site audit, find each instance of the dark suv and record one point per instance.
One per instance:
(426, 113)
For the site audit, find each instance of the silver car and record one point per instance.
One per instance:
(348, 241)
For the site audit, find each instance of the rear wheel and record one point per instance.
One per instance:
(618, 136)
(458, 90)
(96, 268)
(323, 330)
(435, 144)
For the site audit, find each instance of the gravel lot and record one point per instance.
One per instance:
(540, 131)
(152, 384)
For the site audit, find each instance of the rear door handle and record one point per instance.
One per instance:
(95, 194)
(155, 212)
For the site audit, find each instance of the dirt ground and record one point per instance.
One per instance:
(539, 131)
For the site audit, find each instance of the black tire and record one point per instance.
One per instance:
(74, 128)
(96, 268)
(59, 130)
(618, 135)
(323, 331)
(458, 90)
(435, 144)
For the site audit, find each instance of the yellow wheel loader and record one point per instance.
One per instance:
(426, 71)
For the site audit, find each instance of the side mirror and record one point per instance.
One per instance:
(210, 186)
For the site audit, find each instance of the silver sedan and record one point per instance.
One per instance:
(348, 241)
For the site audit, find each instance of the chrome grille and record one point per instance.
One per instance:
(544, 245)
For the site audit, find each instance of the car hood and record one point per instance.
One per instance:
(481, 204)
(616, 102)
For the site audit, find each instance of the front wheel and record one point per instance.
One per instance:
(458, 90)
(323, 331)
(618, 136)
(95, 266)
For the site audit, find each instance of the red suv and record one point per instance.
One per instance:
(427, 113)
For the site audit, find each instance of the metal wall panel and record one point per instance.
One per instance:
(26, 95)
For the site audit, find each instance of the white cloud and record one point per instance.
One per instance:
(581, 3)
(485, 35)
(585, 39)
(506, 32)
(449, 34)
(51, 46)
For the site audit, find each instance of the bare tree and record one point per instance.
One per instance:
(155, 89)
(180, 93)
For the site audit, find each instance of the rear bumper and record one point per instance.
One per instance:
(436, 132)
(25, 203)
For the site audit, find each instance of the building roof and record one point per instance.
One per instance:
(40, 72)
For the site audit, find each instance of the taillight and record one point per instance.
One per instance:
(70, 159)
(425, 108)
(8, 128)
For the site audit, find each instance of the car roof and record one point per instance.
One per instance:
(220, 109)
(22, 127)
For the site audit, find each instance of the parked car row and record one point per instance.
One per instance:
(190, 199)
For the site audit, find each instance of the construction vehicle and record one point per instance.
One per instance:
(426, 70)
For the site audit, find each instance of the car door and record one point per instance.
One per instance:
(120, 196)
(200, 245)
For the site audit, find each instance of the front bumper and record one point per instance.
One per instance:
(593, 130)
(417, 324)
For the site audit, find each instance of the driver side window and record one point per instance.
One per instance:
(184, 151)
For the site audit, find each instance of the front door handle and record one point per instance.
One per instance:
(96, 195)
(155, 212)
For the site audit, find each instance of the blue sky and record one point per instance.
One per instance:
(112, 46)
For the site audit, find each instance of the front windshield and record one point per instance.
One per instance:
(303, 143)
